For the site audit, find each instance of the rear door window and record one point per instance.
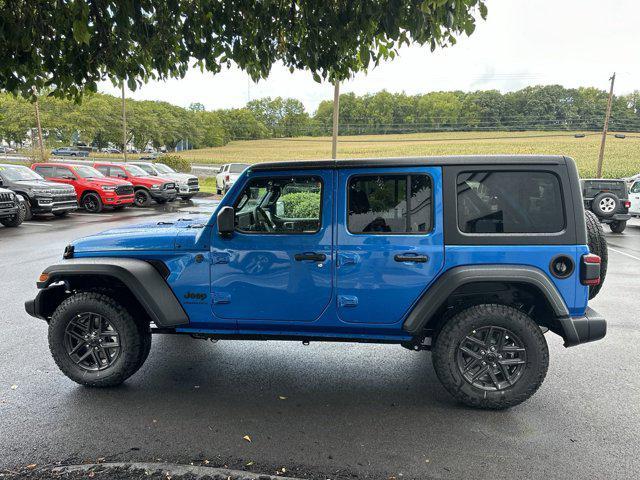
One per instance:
(503, 202)
(46, 172)
(390, 204)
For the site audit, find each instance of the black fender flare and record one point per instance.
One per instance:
(434, 297)
(142, 279)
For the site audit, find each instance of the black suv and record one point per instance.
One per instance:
(609, 200)
(11, 213)
(40, 195)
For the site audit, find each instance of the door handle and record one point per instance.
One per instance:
(411, 257)
(315, 257)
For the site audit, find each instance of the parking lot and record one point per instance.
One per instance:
(319, 411)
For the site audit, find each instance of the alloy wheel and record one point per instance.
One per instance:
(491, 358)
(92, 342)
(607, 205)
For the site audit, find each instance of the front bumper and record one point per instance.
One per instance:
(8, 212)
(586, 328)
(169, 194)
(65, 203)
(118, 199)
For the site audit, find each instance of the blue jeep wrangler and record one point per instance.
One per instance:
(473, 258)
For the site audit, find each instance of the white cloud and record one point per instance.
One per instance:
(523, 42)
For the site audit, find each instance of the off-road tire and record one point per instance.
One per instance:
(597, 244)
(15, 220)
(618, 226)
(466, 321)
(595, 204)
(142, 198)
(92, 202)
(134, 337)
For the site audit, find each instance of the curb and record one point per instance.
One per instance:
(168, 469)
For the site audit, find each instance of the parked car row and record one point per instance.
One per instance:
(60, 188)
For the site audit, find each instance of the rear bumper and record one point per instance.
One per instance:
(586, 328)
(618, 217)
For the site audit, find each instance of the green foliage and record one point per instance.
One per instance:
(301, 205)
(176, 162)
(284, 117)
(70, 46)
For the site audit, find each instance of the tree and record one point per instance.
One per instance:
(69, 46)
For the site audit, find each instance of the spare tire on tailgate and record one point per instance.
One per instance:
(597, 245)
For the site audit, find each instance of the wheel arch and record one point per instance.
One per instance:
(462, 287)
(138, 283)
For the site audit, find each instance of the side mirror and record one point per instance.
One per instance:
(226, 221)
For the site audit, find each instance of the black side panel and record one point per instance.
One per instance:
(439, 292)
(142, 279)
(569, 191)
(577, 201)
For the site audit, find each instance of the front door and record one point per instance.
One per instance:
(390, 243)
(277, 265)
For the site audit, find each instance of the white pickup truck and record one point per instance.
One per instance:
(227, 176)
(634, 198)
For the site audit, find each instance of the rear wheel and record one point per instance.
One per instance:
(95, 341)
(92, 202)
(26, 206)
(618, 226)
(491, 356)
(597, 245)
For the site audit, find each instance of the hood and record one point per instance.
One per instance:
(106, 181)
(150, 180)
(44, 184)
(182, 234)
(179, 177)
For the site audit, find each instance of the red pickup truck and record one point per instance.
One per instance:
(146, 186)
(93, 189)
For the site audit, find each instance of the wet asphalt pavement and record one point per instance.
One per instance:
(319, 411)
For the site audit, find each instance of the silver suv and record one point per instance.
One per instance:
(186, 183)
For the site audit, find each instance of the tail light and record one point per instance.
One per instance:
(226, 178)
(627, 204)
(590, 269)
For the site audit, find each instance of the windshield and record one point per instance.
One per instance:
(135, 171)
(163, 168)
(237, 167)
(148, 168)
(17, 173)
(87, 172)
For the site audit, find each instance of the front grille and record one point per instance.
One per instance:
(124, 190)
(6, 197)
(169, 186)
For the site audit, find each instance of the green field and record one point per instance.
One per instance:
(622, 157)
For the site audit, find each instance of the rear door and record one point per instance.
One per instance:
(390, 244)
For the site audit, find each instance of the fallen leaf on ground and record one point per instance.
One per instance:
(247, 438)
(13, 387)
(281, 397)
(31, 466)
(206, 462)
(101, 459)
(248, 464)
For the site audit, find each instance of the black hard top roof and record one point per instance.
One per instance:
(413, 161)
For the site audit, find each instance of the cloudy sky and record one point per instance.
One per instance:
(522, 42)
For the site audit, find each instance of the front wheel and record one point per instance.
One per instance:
(95, 341)
(618, 226)
(92, 203)
(142, 198)
(15, 220)
(491, 356)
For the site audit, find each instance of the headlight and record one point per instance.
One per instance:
(155, 186)
(108, 188)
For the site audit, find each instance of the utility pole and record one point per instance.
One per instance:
(336, 110)
(124, 124)
(606, 126)
(39, 125)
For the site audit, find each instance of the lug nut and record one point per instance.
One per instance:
(484, 363)
(482, 352)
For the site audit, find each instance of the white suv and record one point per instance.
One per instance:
(634, 198)
(227, 176)
(186, 183)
